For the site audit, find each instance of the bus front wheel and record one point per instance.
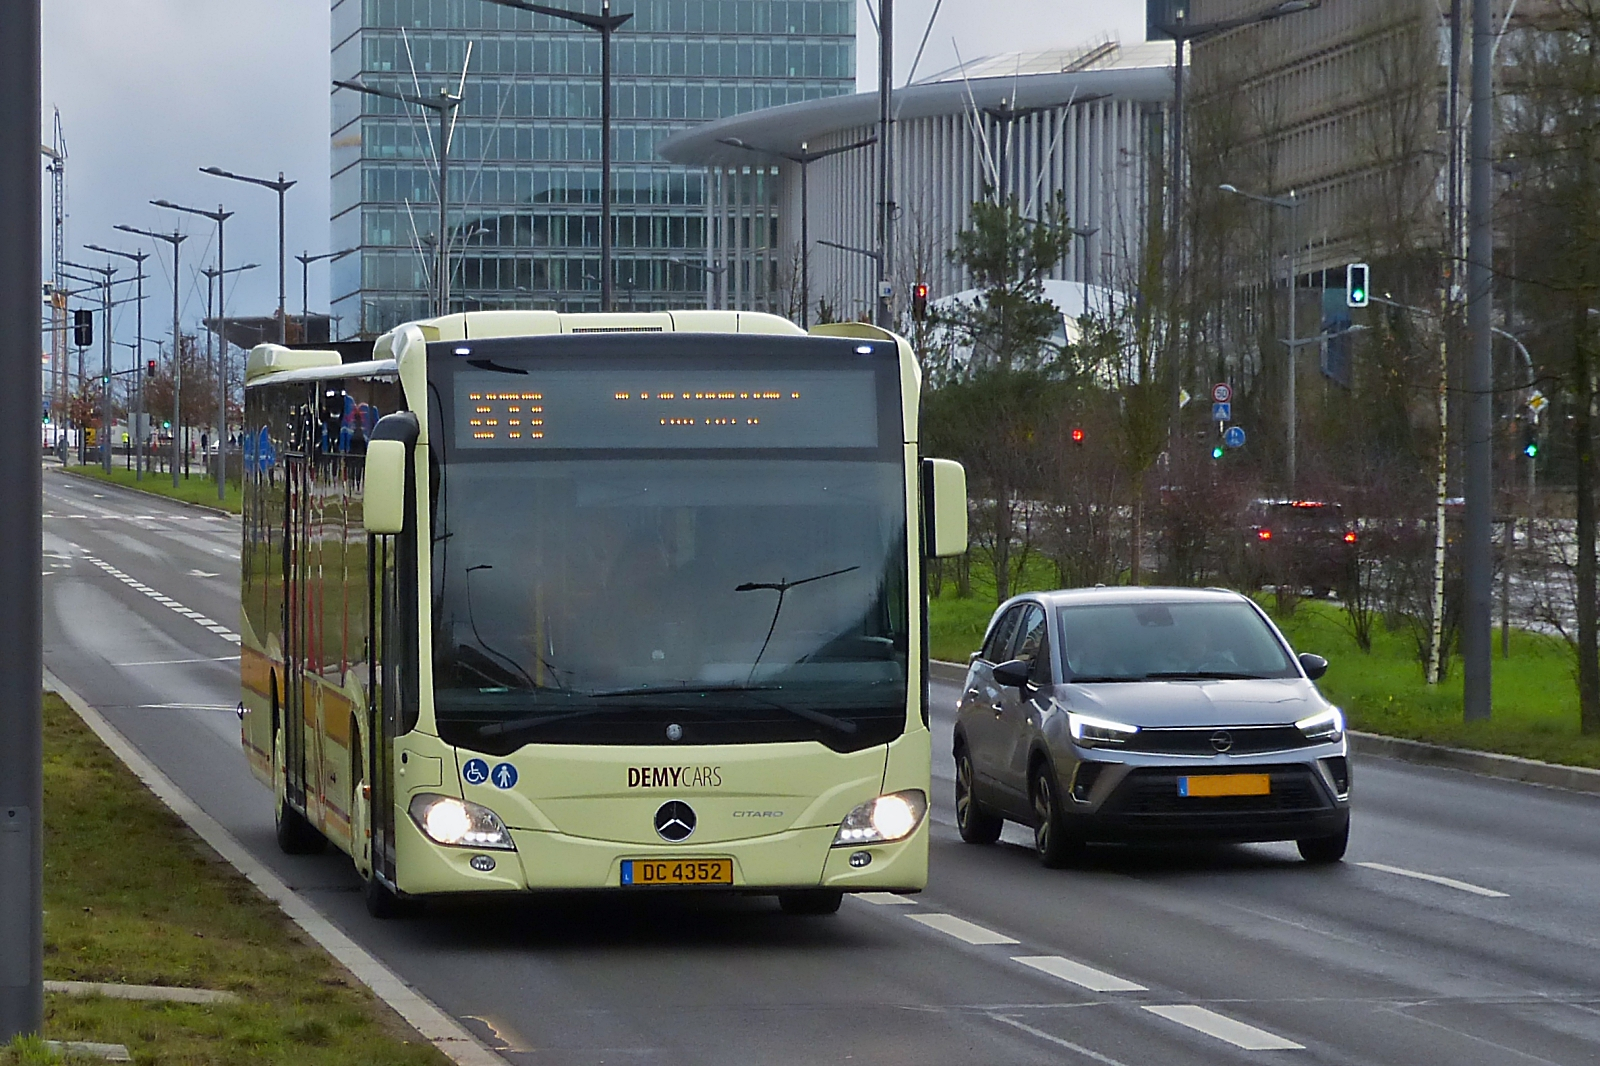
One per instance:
(810, 901)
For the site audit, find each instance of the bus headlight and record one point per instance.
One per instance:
(459, 823)
(884, 820)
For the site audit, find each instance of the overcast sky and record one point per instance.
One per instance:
(150, 92)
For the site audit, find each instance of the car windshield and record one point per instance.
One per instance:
(1111, 642)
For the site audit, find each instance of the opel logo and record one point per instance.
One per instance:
(1222, 740)
(675, 821)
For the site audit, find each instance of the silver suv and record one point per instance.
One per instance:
(1140, 714)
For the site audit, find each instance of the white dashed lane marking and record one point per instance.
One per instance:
(961, 929)
(886, 899)
(1448, 882)
(216, 627)
(1224, 1028)
(1077, 973)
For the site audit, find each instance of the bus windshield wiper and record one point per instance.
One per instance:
(780, 587)
(842, 725)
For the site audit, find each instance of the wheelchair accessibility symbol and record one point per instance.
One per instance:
(475, 772)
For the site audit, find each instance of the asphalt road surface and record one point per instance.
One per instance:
(1463, 928)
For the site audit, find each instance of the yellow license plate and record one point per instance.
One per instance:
(1225, 785)
(677, 872)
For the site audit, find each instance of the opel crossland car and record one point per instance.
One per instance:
(1148, 715)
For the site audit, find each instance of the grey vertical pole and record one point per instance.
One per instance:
(444, 208)
(105, 373)
(605, 158)
(138, 378)
(805, 242)
(1294, 350)
(222, 362)
(283, 311)
(21, 759)
(885, 158)
(1477, 615)
(177, 368)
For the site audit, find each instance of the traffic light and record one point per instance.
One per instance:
(1355, 284)
(166, 423)
(82, 327)
(1217, 452)
(1530, 440)
(149, 366)
(919, 301)
(1077, 435)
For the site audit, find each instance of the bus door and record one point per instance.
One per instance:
(296, 529)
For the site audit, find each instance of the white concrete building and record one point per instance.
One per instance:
(1085, 122)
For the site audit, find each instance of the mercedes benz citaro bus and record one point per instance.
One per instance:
(623, 602)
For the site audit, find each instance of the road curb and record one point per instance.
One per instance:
(141, 492)
(1483, 763)
(421, 1013)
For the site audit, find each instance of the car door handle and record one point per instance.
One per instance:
(997, 709)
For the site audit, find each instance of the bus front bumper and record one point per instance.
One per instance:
(796, 858)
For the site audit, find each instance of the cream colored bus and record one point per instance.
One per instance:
(628, 602)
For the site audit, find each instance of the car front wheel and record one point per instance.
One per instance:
(976, 825)
(1328, 849)
(1052, 841)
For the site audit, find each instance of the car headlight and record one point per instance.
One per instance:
(1098, 732)
(459, 823)
(884, 820)
(1327, 725)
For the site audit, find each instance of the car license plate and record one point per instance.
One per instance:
(677, 872)
(1225, 785)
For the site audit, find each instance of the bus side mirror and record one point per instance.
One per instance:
(383, 503)
(944, 508)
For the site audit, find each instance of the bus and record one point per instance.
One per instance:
(541, 601)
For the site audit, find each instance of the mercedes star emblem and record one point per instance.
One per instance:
(1222, 740)
(675, 821)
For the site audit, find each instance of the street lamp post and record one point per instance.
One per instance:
(105, 273)
(444, 105)
(1182, 31)
(138, 360)
(1291, 204)
(219, 216)
(804, 157)
(173, 239)
(214, 275)
(714, 271)
(306, 259)
(280, 187)
(607, 24)
(875, 256)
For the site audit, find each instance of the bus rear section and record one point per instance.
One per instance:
(648, 615)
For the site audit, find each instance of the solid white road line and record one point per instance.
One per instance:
(1224, 1028)
(1448, 882)
(1093, 1056)
(961, 929)
(1077, 973)
(886, 899)
(437, 1027)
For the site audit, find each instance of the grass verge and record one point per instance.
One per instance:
(1382, 691)
(132, 896)
(197, 489)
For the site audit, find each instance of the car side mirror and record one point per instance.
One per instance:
(1314, 665)
(1013, 674)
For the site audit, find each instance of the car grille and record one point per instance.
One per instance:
(1154, 790)
(1245, 740)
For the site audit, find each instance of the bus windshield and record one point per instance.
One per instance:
(609, 587)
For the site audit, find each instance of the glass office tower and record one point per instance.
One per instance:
(524, 225)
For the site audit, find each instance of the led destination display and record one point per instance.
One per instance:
(621, 408)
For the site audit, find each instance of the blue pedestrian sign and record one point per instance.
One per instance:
(475, 771)
(1234, 437)
(504, 775)
(1222, 412)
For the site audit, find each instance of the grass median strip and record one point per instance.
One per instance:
(133, 898)
(201, 490)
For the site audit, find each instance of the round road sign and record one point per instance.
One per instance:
(1221, 393)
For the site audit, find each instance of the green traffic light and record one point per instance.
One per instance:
(166, 425)
(1216, 453)
(1531, 449)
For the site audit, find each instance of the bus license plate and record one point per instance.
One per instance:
(677, 872)
(1225, 785)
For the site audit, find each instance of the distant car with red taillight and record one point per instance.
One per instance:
(1300, 543)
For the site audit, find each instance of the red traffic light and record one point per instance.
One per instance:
(150, 366)
(1077, 435)
(1263, 534)
(919, 301)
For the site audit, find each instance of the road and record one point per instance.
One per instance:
(1464, 927)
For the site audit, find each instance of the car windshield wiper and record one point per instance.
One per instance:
(1104, 679)
(842, 725)
(1203, 675)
